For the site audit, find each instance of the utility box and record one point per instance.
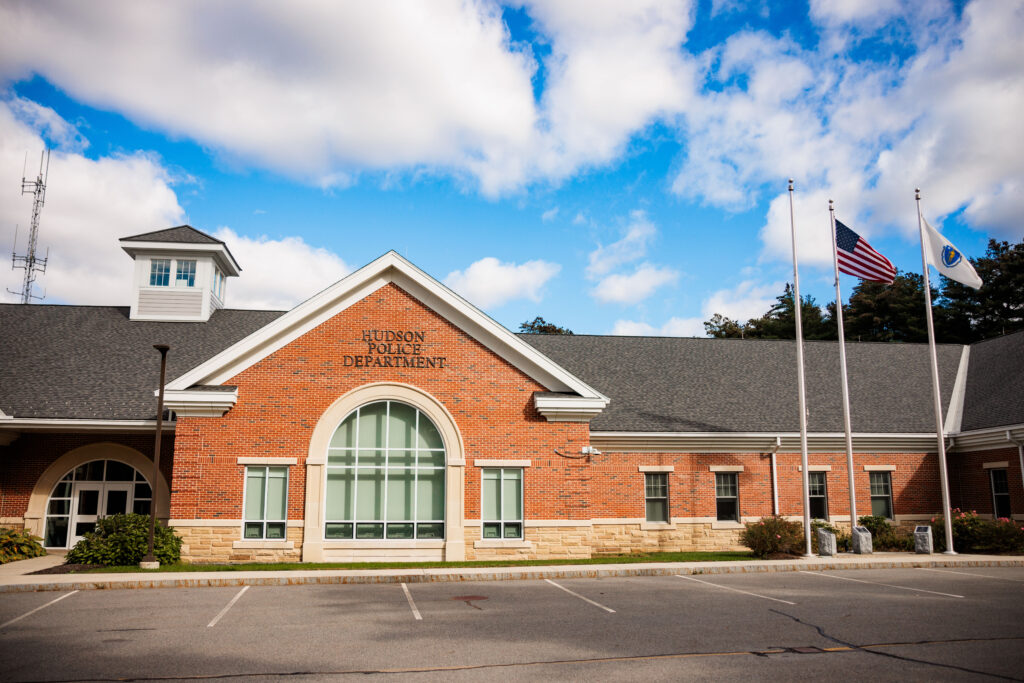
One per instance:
(826, 543)
(923, 540)
(861, 540)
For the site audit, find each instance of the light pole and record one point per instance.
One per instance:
(150, 561)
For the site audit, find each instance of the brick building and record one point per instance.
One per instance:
(388, 418)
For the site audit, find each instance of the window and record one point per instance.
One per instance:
(186, 274)
(1000, 493)
(160, 272)
(385, 475)
(656, 496)
(881, 494)
(818, 490)
(218, 284)
(88, 492)
(727, 497)
(266, 502)
(502, 503)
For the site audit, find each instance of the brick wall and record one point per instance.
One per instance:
(970, 486)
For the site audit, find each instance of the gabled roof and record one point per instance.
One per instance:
(672, 384)
(92, 362)
(389, 268)
(994, 393)
(182, 234)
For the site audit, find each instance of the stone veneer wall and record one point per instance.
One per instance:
(215, 544)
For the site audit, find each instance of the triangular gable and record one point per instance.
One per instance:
(389, 268)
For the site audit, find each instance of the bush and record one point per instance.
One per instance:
(971, 534)
(843, 541)
(773, 535)
(884, 536)
(122, 540)
(19, 544)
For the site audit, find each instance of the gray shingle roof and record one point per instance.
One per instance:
(183, 234)
(92, 362)
(670, 384)
(994, 393)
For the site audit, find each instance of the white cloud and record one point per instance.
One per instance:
(675, 327)
(746, 300)
(579, 219)
(632, 246)
(89, 205)
(278, 273)
(549, 215)
(489, 283)
(633, 288)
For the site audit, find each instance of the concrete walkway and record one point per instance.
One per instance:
(15, 576)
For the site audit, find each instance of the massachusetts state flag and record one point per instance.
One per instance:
(947, 259)
(857, 257)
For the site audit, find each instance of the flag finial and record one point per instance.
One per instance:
(790, 184)
(917, 193)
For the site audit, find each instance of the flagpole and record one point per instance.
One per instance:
(798, 305)
(842, 368)
(943, 478)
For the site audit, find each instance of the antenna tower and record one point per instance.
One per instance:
(29, 261)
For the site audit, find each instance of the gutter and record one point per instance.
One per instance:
(775, 476)
(1020, 452)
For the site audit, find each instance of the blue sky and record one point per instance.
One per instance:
(612, 167)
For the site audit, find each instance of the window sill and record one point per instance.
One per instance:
(657, 526)
(263, 545)
(503, 543)
(727, 525)
(334, 544)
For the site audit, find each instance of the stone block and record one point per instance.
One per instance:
(826, 543)
(861, 540)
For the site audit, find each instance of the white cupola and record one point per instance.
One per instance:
(180, 274)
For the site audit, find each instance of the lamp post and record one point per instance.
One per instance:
(150, 561)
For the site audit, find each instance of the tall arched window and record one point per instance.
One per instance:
(385, 475)
(92, 490)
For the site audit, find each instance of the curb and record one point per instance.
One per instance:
(330, 577)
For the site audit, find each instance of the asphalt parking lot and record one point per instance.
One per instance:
(894, 624)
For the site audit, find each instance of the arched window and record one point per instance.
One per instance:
(90, 491)
(385, 475)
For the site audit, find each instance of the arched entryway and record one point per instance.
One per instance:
(88, 483)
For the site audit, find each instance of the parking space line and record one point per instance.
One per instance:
(595, 604)
(412, 605)
(28, 614)
(888, 585)
(735, 590)
(227, 607)
(984, 576)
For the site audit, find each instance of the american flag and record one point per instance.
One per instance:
(857, 257)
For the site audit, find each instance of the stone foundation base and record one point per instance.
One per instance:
(222, 544)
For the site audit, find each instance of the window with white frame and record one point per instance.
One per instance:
(727, 499)
(817, 489)
(160, 272)
(656, 496)
(881, 494)
(185, 275)
(1000, 493)
(385, 475)
(501, 504)
(266, 503)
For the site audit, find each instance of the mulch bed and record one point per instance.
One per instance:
(67, 568)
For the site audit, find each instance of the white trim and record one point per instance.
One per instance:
(218, 522)
(988, 438)
(1000, 465)
(759, 442)
(389, 268)
(657, 468)
(657, 526)
(382, 544)
(727, 525)
(879, 468)
(199, 403)
(955, 413)
(43, 424)
(501, 543)
(552, 522)
(219, 252)
(725, 468)
(494, 462)
(569, 408)
(815, 468)
(267, 461)
(255, 544)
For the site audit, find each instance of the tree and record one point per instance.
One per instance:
(541, 326)
(966, 315)
(881, 312)
(722, 327)
(779, 322)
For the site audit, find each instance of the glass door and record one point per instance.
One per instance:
(93, 500)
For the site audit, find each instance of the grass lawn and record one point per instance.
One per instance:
(293, 566)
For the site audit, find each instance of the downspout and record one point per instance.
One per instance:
(775, 475)
(1020, 452)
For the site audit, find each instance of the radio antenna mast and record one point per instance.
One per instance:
(29, 261)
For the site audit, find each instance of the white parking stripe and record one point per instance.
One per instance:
(28, 614)
(227, 607)
(985, 576)
(595, 604)
(412, 605)
(735, 590)
(888, 585)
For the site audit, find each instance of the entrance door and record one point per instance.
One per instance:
(93, 500)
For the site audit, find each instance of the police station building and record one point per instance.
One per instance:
(387, 418)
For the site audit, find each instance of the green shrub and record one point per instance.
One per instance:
(843, 541)
(122, 540)
(974, 535)
(885, 536)
(772, 535)
(19, 544)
